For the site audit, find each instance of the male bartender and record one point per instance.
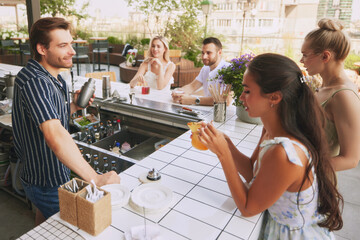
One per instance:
(40, 120)
(211, 57)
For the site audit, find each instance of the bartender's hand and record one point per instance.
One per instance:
(107, 178)
(73, 105)
(187, 99)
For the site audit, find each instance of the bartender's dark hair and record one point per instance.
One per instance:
(214, 41)
(303, 118)
(39, 33)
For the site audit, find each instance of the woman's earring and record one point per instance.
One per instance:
(272, 105)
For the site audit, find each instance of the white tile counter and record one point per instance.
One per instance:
(202, 206)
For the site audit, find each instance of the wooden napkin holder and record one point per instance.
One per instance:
(67, 201)
(93, 218)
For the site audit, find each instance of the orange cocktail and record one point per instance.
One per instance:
(195, 141)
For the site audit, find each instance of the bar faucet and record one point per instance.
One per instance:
(131, 95)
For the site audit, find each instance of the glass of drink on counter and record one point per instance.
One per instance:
(195, 141)
(145, 90)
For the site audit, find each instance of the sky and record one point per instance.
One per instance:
(109, 8)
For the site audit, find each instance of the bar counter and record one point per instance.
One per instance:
(202, 206)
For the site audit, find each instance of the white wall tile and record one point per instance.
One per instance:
(213, 199)
(215, 185)
(176, 185)
(192, 165)
(227, 236)
(163, 156)
(181, 143)
(203, 212)
(151, 163)
(201, 157)
(172, 149)
(218, 173)
(183, 174)
(189, 227)
(240, 227)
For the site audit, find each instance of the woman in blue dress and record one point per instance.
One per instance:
(289, 173)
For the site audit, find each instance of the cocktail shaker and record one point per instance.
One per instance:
(87, 91)
(106, 87)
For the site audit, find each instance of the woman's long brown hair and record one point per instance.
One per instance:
(303, 118)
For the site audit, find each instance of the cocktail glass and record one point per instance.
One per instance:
(195, 141)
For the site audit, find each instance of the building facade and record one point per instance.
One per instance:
(263, 25)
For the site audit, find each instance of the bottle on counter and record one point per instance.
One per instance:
(117, 125)
(88, 157)
(84, 134)
(96, 161)
(116, 148)
(102, 131)
(109, 128)
(89, 139)
(81, 151)
(106, 87)
(113, 165)
(106, 165)
(97, 137)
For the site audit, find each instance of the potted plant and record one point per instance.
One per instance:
(233, 75)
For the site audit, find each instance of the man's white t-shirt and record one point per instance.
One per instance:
(206, 75)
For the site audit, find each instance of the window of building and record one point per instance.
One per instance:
(336, 3)
(223, 22)
(265, 5)
(337, 13)
(265, 22)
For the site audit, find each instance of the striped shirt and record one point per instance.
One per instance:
(39, 97)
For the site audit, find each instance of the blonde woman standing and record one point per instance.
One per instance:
(324, 51)
(157, 70)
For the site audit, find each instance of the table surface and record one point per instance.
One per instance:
(79, 41)
(123, 65)
(19, 38)
(202, 206)
(98, 38)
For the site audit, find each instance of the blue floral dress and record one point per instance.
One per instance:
(285, 219)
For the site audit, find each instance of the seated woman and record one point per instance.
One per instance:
(324, 51)
(289, 173)
(157, 70)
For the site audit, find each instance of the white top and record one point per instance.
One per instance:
(206, 75)
(151, 78)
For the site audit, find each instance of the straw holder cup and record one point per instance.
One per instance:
(220, 112)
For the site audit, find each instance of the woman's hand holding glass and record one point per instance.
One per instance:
(212, 138)
(139, 81)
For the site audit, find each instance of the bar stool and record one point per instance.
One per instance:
(98, 48)
(82, 52)
(10, 46)
(24, 51)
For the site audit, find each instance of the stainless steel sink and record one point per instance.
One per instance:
(143, 136)
(142, 143)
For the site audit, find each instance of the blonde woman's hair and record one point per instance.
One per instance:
(330, 36)
(166, 44)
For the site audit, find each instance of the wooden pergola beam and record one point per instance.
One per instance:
(11, 2)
